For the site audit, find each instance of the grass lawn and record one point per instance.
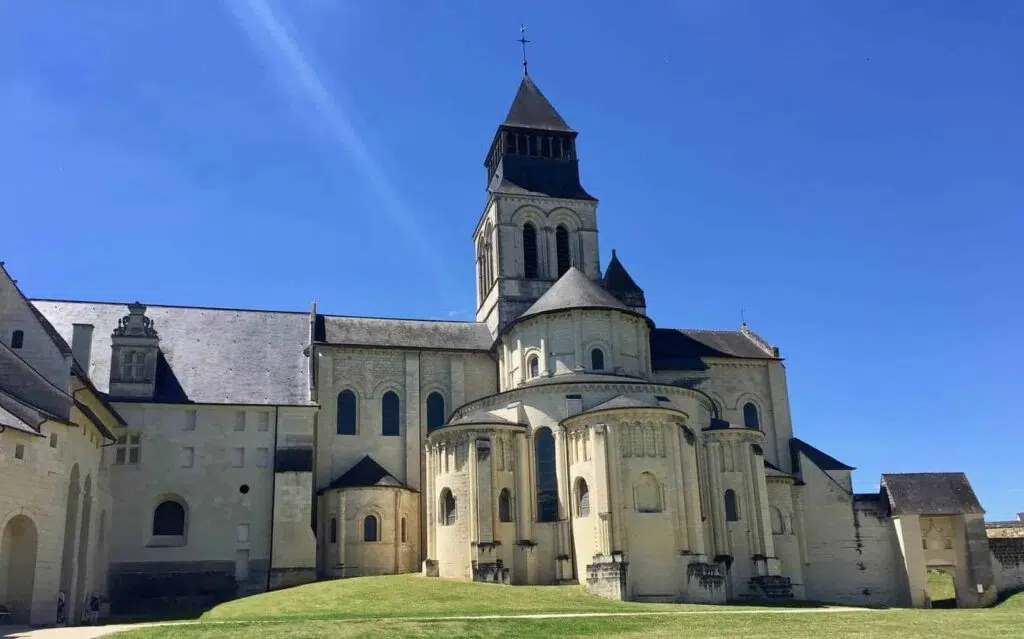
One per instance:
(413, 606)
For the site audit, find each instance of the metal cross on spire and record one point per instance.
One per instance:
(523, 41)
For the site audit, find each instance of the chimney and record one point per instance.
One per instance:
(81, 344)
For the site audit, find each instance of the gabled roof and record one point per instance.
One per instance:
(675, 348)
(51, 332)
(618, 282)
(530, 109)
(206, 355)
(817, 457)
(930, 494)
(366, 473)
(402, 333)
(574, 290)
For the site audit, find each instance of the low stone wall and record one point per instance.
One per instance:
(150, 586)
(1008, 562)
(607, 577)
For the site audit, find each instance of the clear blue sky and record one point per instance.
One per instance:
(850, 173)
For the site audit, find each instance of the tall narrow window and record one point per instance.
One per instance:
(597, 359)
(389, 414)
(562, 249)
(334, 530)
(449, 511)
(140, 366)
(582, 498)
(17, 339)
(370, 528)
(505, 505)
(435, 411)
(533, 366)
(547, 480)
(346, 413)
(126, 365)
(529, 251)
(732, 508)
(750, 416)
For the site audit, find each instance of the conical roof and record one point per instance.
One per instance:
(531, 110)
(618, 282)
(574, 290)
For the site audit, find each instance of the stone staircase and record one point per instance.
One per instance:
(771, 587)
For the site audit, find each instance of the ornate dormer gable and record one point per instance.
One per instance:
(134, 350)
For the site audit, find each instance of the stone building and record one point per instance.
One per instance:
(563, 437)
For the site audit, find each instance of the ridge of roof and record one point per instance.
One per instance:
(366, 473)
(819, 458)
(531, 110)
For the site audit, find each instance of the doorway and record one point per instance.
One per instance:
(941, 590)
(18, 567)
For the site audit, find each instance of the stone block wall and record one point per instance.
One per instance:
(1008, 562)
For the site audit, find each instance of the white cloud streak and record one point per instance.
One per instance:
(271, 39)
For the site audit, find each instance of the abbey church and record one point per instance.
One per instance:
(154, 453)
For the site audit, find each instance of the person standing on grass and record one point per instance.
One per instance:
(94, 609)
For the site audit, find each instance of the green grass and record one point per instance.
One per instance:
(940, 588)
(412, 606)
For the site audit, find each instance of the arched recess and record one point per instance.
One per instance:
(67, 565)
(505, 506)
(732, 506)
(19, 544)
(170, 522)
(83, 539)
(547, 478)
(778, 523)
(448, 510)
(581, 493)
(436, 415)
(647, 494)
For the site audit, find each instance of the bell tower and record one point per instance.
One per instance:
(539, 220)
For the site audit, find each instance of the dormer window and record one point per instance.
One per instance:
(133, 366)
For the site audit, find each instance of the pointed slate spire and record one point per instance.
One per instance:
(618, 282)
(531, 110)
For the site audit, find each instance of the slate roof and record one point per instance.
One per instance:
(484, 417)
(622, 401)
(402, 333)
(28, 387)
(20, 416)
(618, 282)
(682, 348)
(530, 109)
(365, 473)
(574, 290)
(819, 458)
(207, 355)
(930, 494)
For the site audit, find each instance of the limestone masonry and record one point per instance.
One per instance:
(159, 454)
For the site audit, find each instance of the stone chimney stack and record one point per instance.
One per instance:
(81, 345)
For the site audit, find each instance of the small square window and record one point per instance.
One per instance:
(243, 533)
(53, 440)
(262, 457)
(190, 420)
(19, 451)
(188, 455)
(238, 457)
(240, 420)
(264, 423)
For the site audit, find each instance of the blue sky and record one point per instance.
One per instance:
(851, 174)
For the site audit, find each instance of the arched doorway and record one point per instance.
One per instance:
(941, 588)
(18, 566)
(82, 597)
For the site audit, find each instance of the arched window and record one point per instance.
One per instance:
(449, 511)
(750, 417)
(597, 359)
(564, 257)
(370, 528)
(403, 530)
(346, 413)
(533, 366)
(435, 411)
(169, 519)
(732, 508)
(778, 525)
(529, 251)
(505, 505)
(389, 414)
(582, 498)
(547, 480)
(647, 494)
(334, 530)
(17, 339)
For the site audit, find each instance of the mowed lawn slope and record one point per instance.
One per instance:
(413, 606)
